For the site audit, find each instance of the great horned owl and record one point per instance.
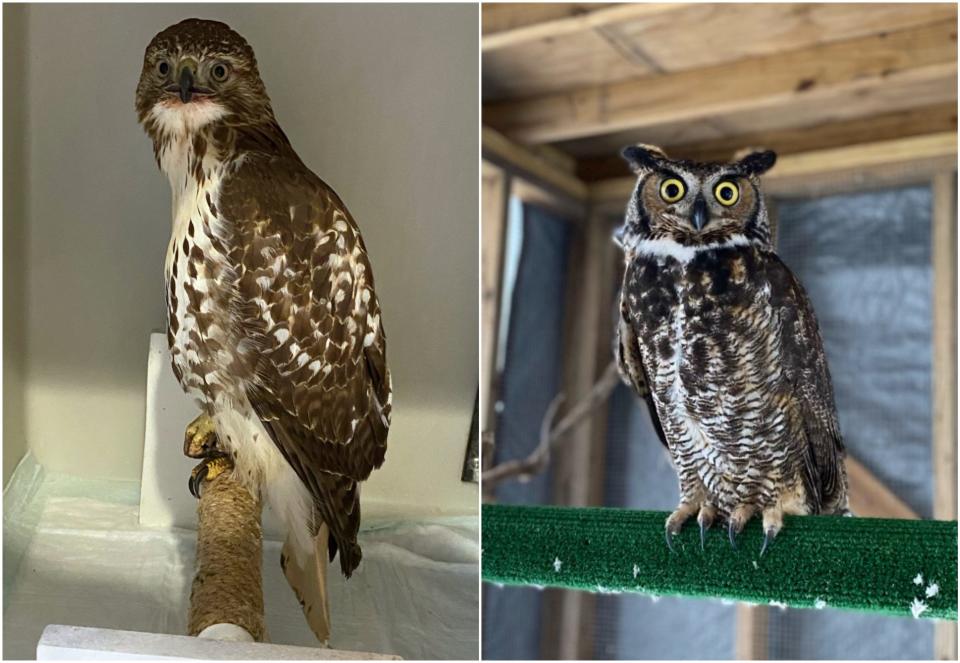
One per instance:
(719, 337)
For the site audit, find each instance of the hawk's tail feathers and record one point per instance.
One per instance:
(350, 556)
(308, 579)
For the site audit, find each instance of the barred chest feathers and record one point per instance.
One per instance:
(710, 346)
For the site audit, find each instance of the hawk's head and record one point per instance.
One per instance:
(196, 73)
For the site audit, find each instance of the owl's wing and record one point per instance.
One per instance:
(630, 364)
(806, 371)
(308, 305)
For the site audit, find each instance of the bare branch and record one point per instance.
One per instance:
(551, 435)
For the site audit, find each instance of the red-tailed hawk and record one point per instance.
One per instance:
(273, 321)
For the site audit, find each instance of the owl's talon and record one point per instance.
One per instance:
(669, 537)
(705, 518)
(768, 536)
(772, 524)
(737, 520)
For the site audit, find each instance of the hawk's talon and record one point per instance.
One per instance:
(196, 477)
(703, 535)
(731, 531)
(200, 439)
(207, 470)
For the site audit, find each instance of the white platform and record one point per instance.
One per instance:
(420, 478)
(78, 643)
(74, 553)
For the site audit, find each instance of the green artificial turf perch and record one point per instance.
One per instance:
(896, 567)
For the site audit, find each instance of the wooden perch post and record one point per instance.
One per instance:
(228, 586)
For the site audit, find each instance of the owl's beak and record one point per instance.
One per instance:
(618, 233)
(700, 216)
(186, 83)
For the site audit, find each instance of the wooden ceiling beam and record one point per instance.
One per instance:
(519, 23)
(527, 163)
(903, 160)
(841, 80)
(887, 126)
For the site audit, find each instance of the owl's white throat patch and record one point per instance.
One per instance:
(666, 247)
(178, 119)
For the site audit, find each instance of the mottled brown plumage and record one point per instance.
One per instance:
(273, 321)
(720, 339)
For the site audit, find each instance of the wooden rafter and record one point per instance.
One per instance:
(941, 118)
(540, 167)
(854, 78)
(885, 162)
(517, 23)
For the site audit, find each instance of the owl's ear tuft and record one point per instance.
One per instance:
(757, 162)
(642, 158)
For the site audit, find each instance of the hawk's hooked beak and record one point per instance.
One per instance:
(700, 214)
(186, 83)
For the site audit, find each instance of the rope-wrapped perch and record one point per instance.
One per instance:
(228, 586)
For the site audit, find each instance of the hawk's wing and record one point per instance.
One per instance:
(808, 376)
(630, 365)
(307, 302)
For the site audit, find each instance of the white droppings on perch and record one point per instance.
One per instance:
(557, 564)
(778, 604)
(932, 590)
(918, 607)
(755, 565)
(918, 580)
(636, 571)
(819, 604)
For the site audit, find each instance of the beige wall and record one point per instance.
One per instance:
(14, 235)
(381, 101)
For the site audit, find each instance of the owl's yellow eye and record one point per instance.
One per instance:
(727, 193)
(672, 190)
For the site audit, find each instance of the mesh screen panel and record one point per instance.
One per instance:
(532, 372)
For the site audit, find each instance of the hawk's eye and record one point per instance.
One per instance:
(727, 193)
(163, 67)
(220, 72)
(672, 189)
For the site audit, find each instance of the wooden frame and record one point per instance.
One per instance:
(945, 374)
(495, 190)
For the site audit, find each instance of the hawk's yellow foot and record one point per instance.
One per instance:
(209, 469)
(200, 439)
